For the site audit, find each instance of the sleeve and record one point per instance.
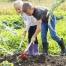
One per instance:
(26, 22)
(34, 20)
(39, 16)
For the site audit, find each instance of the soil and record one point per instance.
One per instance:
(39, 60)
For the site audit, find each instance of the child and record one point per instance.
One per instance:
(43, 15)
(31, 26)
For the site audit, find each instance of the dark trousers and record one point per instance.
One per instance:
(31, 32)
(33, 50)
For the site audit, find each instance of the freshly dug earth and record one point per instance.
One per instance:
(39, 60)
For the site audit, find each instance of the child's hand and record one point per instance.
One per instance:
(33, 39)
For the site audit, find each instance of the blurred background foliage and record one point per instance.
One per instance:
(9, 42)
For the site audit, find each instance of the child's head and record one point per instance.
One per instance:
(18, 6)
(27, 8)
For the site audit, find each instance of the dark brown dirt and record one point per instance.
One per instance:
(39, 60)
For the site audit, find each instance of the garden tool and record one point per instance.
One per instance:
(24, 55)
(20, 45)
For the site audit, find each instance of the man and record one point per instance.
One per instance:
(47, 21)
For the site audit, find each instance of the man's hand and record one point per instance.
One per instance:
(33, 39)
(37, 31)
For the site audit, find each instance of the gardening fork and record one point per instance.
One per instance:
(24, 55)
(28, 47)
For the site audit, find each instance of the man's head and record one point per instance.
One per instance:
(27, 8)
(18, 6)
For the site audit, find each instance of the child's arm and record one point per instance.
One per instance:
(24, 32)
(26, 22)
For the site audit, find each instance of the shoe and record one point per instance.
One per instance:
(62, 46)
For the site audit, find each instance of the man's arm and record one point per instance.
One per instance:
(37, 30)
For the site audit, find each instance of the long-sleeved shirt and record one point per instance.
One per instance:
(29, 21)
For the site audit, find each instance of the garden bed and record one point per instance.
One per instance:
(39, 60)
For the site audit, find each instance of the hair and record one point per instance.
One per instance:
(18, 3)
(26, 6)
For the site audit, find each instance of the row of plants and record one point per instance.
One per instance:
(11, 42)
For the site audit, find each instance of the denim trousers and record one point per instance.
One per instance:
(44, 30)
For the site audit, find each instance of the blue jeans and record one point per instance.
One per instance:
(44, 30)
